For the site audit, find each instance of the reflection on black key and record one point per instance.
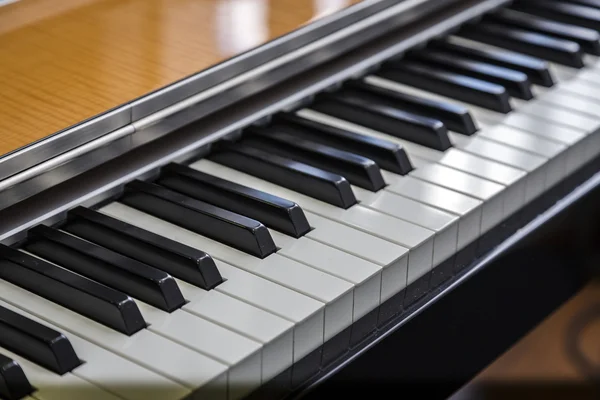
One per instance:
(386, 154)
(75, 292)
(576, 14)
(14, 385)
(549, 48)
(588, 39)
(139, 280)
(36, 342)
(302, 178)
(516, 82)
(536, 69)
(227, 227)
(365, 110)
(275, 212)
(456, 117)
(470, 90)
(183, 262)
(357, 169)
(589, 3)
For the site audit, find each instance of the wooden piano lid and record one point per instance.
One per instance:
(63, 62)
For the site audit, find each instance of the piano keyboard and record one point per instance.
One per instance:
(280, 250)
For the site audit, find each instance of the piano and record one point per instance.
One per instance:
(379, 195)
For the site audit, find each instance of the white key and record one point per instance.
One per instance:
(467, 208)
(418, 240)
(335, 293)
(531, 163)
(443, 224)
(364, 276)
(113, 373)
(488, 192)
(50, 386)
(391, 257)
(276, 334)
(156, 353)
(560, 116)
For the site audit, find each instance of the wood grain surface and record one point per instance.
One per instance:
(64, 61)
(543, 364)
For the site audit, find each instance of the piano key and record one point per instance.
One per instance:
(273, 332)
(589, 3)
(356, 169)
(560, 51)
(515, 82)
(50, 386)
(386, 154)
(353, 106)
(456, 118)
(124, 378)
(189, 264)
(14, 385)
(585, 89)
(561, 116)
(275, 212)
(242, 356)
(36, 342)
(322, 185)
(105, 266)
(443, 224)
(576, 14)
(523, 141)
(394, 274)
(588, 39)
(228, 227)
(335, 293)
(536, 69)
(164, 357)
(479, 188)
(75, 292)
(470, 90)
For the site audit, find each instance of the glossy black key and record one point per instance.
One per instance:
(75, 292)
(561, 11)
(386, 154)
(536, 69)
(139, 280)
(313, 182)
(276, 213)
(367, 111)
(456, 86)
(517, 83)
(227, 227)
(14, 385)
(588, 39)
(358, 170)
(36, 342)
(456, 117)
(181, 261)
(549, 48)
(589, 3)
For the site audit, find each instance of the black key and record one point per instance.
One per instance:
(75, 292)
(14, 385)
(470, 90)
(275, 212)
(549, 48)
(139, 280)
(227, 227)
(536, 69)
(181, 261)
(456, 117)
(364, 110)
(589, 3)
(36, 342)
(575, 14)
(588, 39)
(302, 178)
(516, 82)
(386, 154)
(358, 170)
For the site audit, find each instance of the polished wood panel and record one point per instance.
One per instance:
(542, 364)
(65, 61)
